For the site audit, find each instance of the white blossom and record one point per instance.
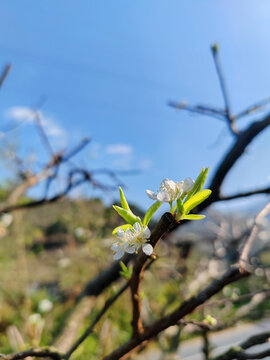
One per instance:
(188, 185)
(131, 240)
(169, 191)
(45, 306)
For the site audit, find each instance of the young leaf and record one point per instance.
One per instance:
(126, 272)
(124, 227)
(123, 266)
(124, 202)
(198, 183)
(128, 216)
(196, 200)
(203, 179)
(180, 206)
(192, 217)
(150, 212)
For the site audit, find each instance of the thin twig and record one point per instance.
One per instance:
(224, 90)
(237, 299)
(90, 328)
(38, 121)
(4, 74)
(238, 353)
(199, 109)
(253, 108)
(265, 190)
(40, 353)
(206, 344)
(243, 262)
(106, 306)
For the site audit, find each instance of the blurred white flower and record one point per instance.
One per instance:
(45, 306)
(6, 219)
(79, 232)
(64, 262)
(35, 319)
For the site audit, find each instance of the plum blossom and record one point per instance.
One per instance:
(131, 240)
(169, 191)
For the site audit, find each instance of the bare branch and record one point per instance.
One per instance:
(253, 108)
(199, 109)
(236, 151)
(40, 353)
(239, 298)
(90, 329)
(225, 94)
(243, 262)
(4, 74)
(38, 121)
(245, 194)
(238, 352)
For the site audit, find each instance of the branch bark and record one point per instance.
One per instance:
(166, 222)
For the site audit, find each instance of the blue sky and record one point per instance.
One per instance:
(108, 68)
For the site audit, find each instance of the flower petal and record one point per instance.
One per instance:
(147, 249)
(131, 249)
(171, 184)
(120, 232)
(115, 247)
(163, 196)
(188, 185)
(146, 233)
(119, 254)
(137, 227)
(151, 194)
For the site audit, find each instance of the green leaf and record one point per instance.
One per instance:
(124, 202)
(124, 227)
(123, 266)
(196, 200)
(150, 212)
(126, 272)
(180, 206)
(128, 216)
(198, 183)
(192, 217)
(203, 179)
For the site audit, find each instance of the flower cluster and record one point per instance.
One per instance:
(134, 234)
(131, 240)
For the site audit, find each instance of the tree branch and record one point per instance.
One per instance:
(265, 190)
(4, 74)
(173, 318)
(236, 151)
(238, 353)
(244, 261)
(163, 226)
(251, 109)
(40, 353)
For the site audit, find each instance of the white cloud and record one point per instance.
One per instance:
(145, 164)
(119, 149)
(27, 115)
